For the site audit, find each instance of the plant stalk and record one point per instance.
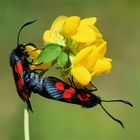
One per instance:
(26, 123)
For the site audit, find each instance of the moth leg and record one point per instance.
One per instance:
(95, 89)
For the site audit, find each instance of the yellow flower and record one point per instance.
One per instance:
(90, 62)
(33, 54)
(84, 44)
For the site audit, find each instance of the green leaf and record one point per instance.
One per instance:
(49, 53)
(62, 59)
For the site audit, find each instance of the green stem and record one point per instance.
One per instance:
(26, 123)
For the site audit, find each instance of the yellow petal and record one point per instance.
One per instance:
(32, 52)
(85, 31)
(53, 35)
(97, 53)
(102, 49)
(89, 21)
(90, 61)
(85, 34)
(82, 46)
(81, 57)
(58, 23)
(87, 57)
(70, 26)
(81, 75)
(102, 66)
(99, 42)
(43, 66)
(46, 37)
(98, 34)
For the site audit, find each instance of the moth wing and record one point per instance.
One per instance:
(55, 87)
(19, 81)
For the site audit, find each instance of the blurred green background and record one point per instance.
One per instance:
(119, 21)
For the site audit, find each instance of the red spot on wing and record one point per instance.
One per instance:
(83, 96)
(18, 67)
(68, 93)
(59, 86)
(20, 83)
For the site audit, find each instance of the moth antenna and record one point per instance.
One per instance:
(112, 116)
(122, 101)
(28, 23)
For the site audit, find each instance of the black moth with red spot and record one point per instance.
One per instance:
(20, 67)
(56, 89)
